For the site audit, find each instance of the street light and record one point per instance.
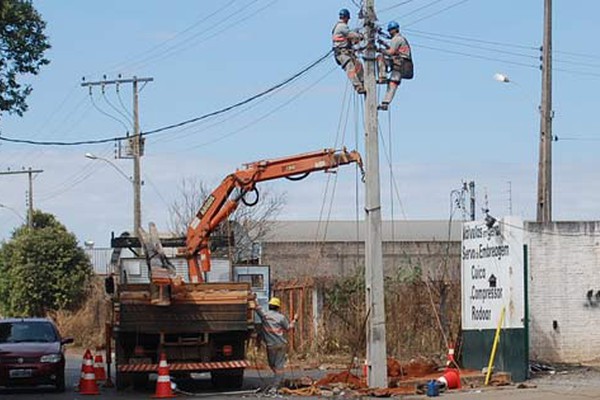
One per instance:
(137, 207)
(544, 185)
(13, 210)
(112, 164)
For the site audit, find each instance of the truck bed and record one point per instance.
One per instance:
(202, 307)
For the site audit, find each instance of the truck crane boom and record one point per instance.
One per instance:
(224, 200)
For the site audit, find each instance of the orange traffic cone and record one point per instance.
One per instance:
(99, 368)
(163, 382)
(87, 383)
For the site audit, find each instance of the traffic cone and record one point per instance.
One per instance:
(99, 370)
(365, 371)
(87, 382)
(163, 382)
(451, 378)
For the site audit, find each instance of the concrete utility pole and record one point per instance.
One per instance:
(544, 205)
(376, 340)
(136, 144)
(30, 173)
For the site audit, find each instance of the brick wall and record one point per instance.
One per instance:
(289, 260)
(564, 291)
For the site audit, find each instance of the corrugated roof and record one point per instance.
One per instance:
(351, 231)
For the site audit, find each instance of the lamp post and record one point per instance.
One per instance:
(544, 184)
(137, 215)
(13, 210)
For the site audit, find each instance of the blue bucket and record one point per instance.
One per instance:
(433, 389)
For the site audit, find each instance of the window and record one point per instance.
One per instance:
(27, 331)
(257, 281)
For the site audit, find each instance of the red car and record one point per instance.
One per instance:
(31, 353)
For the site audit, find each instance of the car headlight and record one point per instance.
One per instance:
(51, 358)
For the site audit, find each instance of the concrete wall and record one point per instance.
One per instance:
(289, 260)
(564, 291)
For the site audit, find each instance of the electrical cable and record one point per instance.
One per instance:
(470, 39)
(479, 47)
(111, 105)
(264, 116)
(191, 42)
(416, 10)
(125, 63)
(481, 57)
(101, 111)
(435, 13)
(129, 114)
(385, 9)
(179, 124)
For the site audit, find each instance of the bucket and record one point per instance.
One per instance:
(433, 388)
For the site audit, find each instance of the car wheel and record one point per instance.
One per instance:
(60, 383)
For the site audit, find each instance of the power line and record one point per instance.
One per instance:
(416, 10)
(194, 25)
(478, 56)
(471, 39)
(436, 13)
(395, 6)
(475, 46)
(179, 124)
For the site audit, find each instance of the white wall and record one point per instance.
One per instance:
(564, 265)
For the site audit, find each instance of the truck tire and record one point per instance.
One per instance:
(227, 379)
(123, 380)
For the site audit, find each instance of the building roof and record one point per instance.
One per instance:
(351, 231)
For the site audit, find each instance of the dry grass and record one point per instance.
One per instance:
(86, 325)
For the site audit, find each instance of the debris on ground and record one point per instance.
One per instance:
(345, 377)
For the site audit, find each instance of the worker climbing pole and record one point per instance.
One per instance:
(394, 62)
(344, 42)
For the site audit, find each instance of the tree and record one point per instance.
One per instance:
(42, 269)
(22, 47)
(248, 225)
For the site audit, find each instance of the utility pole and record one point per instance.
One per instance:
(472, 202)
(136, 144)
(30, 173)
(544, 205)
(376, 338)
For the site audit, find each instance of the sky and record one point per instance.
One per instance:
(452, 123)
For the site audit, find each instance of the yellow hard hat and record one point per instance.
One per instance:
(275, 302)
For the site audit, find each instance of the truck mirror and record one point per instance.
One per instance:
(109, 284)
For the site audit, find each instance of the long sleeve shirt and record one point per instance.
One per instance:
(275, 325)
(399, 47)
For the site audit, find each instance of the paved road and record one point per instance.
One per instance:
(579, 385)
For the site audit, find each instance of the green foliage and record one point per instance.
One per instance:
(22, 47)
(42, 269)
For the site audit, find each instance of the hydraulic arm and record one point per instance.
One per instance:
(224, 200)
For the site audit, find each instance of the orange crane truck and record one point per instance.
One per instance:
(170, 307)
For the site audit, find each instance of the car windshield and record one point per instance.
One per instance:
(27, 331)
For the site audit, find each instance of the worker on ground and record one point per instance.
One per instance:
(274, 327)
(395, 58)
(343, 51)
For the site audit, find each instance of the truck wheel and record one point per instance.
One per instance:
(227, 379)
(123, 380)
(140, 381)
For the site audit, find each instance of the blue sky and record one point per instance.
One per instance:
(453, 122)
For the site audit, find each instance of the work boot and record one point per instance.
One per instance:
(360, 90)
(383, 106)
